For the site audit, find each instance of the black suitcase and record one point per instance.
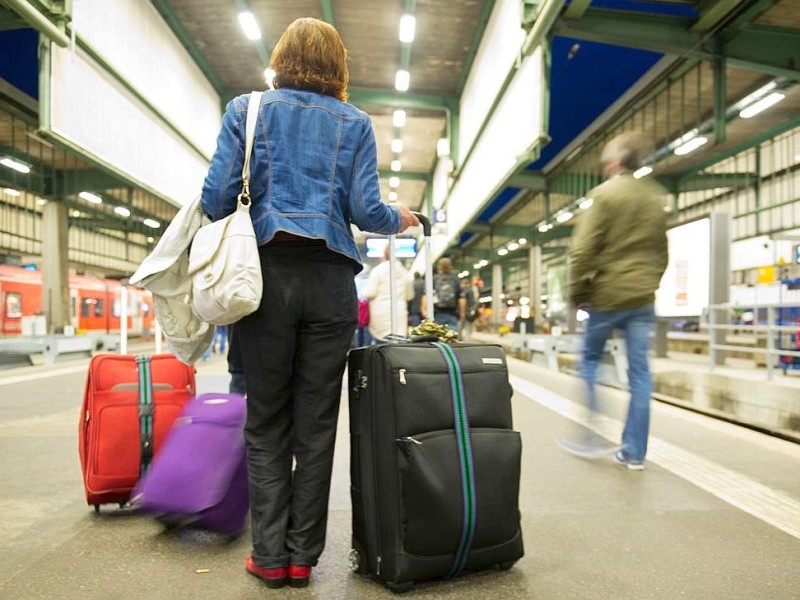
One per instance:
(435, 463)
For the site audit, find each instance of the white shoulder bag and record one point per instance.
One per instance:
(223, 261)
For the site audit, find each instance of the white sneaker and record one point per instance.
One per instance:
(585, 450)
(623, 460)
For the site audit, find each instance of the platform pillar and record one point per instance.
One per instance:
(55, 267)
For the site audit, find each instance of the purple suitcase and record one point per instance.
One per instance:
(199, 477)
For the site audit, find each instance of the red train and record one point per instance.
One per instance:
(94, 302)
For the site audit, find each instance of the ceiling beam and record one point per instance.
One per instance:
(533, 181)
(763, 49)
(708, 181)
(10, 20)
(712, 12)
(512, 231)
(372, 97)
(92, 180)
(409, 175)
(327, 12)
(577, 8)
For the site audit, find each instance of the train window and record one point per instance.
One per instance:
(145, 309)
(13, 305)
(92, 307)
(115, 309)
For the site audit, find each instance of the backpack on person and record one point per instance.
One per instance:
(445, 288)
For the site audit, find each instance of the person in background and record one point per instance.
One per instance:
(471, 295)
(314, 174)
(414, 305)
(449, 305)
(619, 252)
(377, 291)
(235, 364)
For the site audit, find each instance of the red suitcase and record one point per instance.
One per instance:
(129, 406)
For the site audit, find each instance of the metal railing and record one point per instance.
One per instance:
(718, 322)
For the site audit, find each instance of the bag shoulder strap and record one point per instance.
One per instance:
(250, 134)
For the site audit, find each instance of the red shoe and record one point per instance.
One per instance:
(299, 575)
(274, 578)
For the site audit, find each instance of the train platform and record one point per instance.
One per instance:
(716, 513)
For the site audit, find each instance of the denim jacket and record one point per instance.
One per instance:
(313, 171)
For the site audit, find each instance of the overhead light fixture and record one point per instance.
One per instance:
(543, 228)
(642, 172)
(13, 163)
(563, 217)
(513, 246)
(476, 266)
(394, 182)
(12, 192)
(396, 165)
(248, 22)
(690, 146)
(402, 79)
(408, 25)
(90, 197)
(392, 196)
(122, 211)
(399, 118)
(150, 239)
(269, 77)
(761, 105)
(76, 213)
(397, 145)
(522, 241)
(585, 203)
(502, 251)
(152, 223)
(40, 201)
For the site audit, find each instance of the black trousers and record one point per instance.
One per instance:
(294, 350)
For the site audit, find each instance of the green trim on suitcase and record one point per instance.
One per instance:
(465, 455)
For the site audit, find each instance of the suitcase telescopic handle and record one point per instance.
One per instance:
(426, 231)
(425, 222)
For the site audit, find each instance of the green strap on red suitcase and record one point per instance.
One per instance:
(145, 411)
(465, 456)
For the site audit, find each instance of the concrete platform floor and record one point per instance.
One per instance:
(715, 515)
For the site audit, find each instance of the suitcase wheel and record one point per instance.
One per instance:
(97, 509)
(354, 559)
(505, 566)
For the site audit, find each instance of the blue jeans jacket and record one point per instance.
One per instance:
(313, 172)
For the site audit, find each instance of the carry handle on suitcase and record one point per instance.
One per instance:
(426, 232)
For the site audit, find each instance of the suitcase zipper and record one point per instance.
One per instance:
(409, 439)
(402, 374)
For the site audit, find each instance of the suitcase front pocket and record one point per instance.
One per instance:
(432, 496)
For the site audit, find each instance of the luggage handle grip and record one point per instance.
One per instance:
(425, 222)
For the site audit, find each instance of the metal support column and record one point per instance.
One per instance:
(719, 281)
(497, 290)
(535, 286)
(55, 268)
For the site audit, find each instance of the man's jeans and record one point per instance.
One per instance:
(636, 324)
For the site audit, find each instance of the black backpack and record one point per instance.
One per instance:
(445, 289)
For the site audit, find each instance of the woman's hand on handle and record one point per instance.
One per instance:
(408, 219)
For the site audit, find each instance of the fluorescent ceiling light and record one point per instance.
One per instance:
(392, 196)
(642, 172)
(396, 165)
(502, 251)
(399, 118)
(394, 182)
(585, 203)
(543, 228)
(122, 211)
(690, 146)
(522, 241)
(40, 201)
(76, 213)
(397, 145)
(761, 105)
(150, 239)
(12, 192)
(269, 77)
(248, 22)
(402, 80)
(408, 24)
(513, 246)
(476, 266)
(564, 217)
(90, 197)
(11, 163)
(757, 95)
(152, 223)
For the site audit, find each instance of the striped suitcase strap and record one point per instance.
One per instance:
(465, 455)
(145, 412)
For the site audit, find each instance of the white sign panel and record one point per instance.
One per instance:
(684, 288)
